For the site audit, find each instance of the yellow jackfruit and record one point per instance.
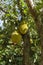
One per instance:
(23, 28)
(16, 37)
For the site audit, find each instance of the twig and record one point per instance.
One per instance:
(3, 10)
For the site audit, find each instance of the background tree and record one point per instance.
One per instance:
(28, 51)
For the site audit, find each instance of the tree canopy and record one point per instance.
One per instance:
(25, 47)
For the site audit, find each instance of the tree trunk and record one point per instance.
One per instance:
(26, 50)
(39, 24)
(40, 31)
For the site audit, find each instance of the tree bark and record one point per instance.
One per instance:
(39, 24)
(26, 51)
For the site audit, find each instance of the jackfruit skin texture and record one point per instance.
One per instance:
(16, 37)
(23, 28)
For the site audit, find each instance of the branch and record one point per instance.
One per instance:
(3, 10)
(31, 6)
(20, 8)
(34, 14)
(7, 12)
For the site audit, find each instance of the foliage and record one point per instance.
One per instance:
(17, 11)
